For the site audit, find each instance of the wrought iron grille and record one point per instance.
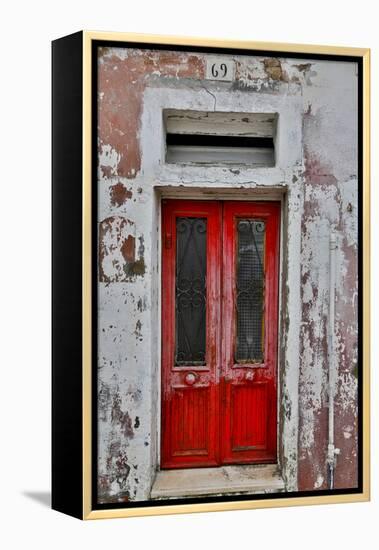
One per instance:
(250, 291)
(190, 299)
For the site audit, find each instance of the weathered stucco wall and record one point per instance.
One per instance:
(330, 203)
(316, 176)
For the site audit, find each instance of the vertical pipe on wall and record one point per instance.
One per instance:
(332, 451)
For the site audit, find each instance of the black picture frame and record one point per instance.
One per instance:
(75, 272)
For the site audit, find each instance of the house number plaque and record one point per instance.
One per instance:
(220, 69)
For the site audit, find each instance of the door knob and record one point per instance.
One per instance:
(190, 378)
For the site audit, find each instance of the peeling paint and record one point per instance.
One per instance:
(138, 330)
(119, 194)
(121, 417)
(273, 68)
(117, 261)
(122, 80)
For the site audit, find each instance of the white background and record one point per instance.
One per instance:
(26, 31)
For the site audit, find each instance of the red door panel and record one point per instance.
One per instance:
(248, 432)
(248, 416)
(189, 422)
(219, 332)
(190, 390)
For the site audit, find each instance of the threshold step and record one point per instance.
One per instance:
(191, 482)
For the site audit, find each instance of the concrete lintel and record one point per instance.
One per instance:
(221, 193)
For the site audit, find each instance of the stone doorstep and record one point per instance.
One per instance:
(215, 481)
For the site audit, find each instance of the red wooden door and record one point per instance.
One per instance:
(219, 332)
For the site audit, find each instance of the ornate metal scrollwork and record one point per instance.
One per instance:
(190, 289)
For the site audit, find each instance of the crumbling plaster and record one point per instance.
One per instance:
(316, 177)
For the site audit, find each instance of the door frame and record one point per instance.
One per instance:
(197, 194)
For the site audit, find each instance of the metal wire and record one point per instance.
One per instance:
(250, 290)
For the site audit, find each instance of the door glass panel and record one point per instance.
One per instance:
(190, 291)
(250, 291)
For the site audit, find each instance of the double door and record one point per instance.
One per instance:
(220, 262)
